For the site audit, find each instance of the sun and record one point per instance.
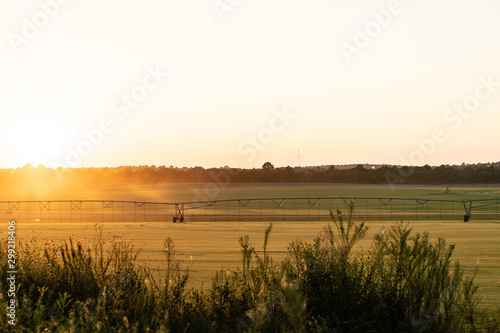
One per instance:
(35, 136)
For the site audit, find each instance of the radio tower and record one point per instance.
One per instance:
(298, 157)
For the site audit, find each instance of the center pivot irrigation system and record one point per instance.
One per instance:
(255, 209)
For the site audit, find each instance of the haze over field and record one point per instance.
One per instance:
(239, 83)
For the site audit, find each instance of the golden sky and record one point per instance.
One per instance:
(227, 82)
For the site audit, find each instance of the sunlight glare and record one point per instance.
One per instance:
(36, 137)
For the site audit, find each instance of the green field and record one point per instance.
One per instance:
(189, 191)
(209, 246)
(254, 202)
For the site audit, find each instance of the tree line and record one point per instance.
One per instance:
(130, 175)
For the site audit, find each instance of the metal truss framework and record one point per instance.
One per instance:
(263, 209)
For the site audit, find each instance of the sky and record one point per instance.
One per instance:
(240, 82)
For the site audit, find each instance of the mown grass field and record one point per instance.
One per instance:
(213, 191)
(210, 246)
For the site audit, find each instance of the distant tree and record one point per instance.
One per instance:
(267, 166)
(287, 174)
(359, 168)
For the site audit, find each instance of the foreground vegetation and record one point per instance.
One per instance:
(405, 283)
